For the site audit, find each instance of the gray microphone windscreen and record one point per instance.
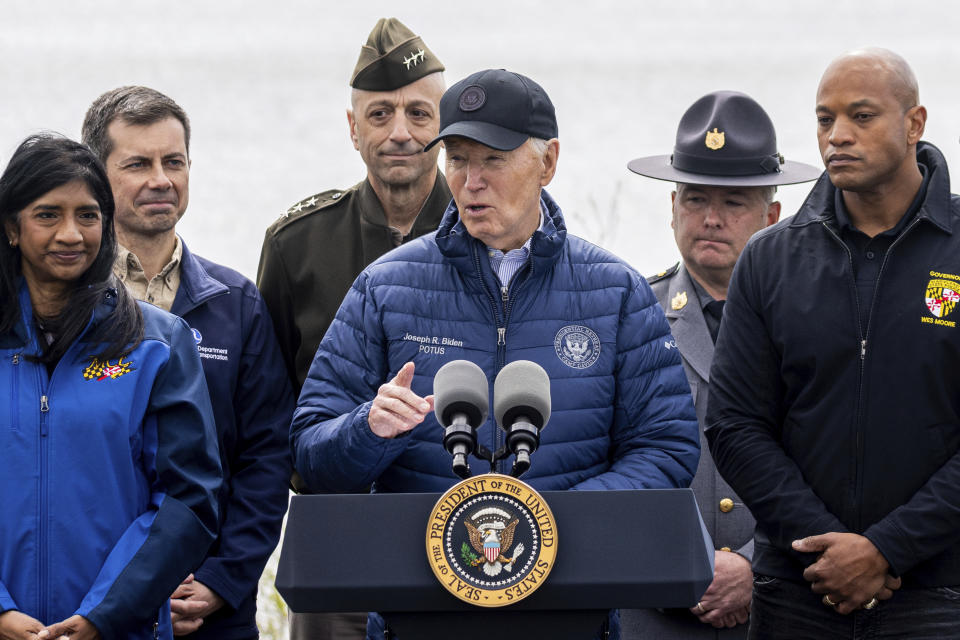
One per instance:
(522, 388)
(461, 386)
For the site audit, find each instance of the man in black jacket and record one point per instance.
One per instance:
(834, 410)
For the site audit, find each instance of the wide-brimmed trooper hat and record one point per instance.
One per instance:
(725, 139)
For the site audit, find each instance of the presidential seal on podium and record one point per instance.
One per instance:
(491, 540)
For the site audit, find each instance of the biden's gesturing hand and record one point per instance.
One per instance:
(397, 409)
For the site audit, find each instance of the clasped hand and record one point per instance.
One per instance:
(849, 570)
(15, 625)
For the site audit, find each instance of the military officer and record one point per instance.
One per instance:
(726, 168)
(314, 251)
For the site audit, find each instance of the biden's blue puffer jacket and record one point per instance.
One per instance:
(109, 474)
(622, 413)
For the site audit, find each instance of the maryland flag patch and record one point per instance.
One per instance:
(942, 296)
(103, 370)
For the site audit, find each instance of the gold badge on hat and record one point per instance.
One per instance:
(714, 139)
(679, 301)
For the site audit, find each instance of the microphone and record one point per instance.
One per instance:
(521, 404)
(461, 404)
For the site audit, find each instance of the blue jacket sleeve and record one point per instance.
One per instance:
(745, 416)
(655, 438)
(168, 540)
(259, 463)
(6, 600)
(334, 449)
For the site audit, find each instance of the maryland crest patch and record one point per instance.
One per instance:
(941, 297)
(102, 370)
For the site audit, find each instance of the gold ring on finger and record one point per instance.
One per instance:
(827, 601)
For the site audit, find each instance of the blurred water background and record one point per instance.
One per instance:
(265, 86)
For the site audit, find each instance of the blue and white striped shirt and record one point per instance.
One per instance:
(506, 265)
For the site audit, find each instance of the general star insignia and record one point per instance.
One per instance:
(312, 201)
(416, 57)
(679, 301)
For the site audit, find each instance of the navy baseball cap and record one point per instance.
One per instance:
(497, 108)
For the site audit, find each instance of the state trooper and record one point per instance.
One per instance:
(726, 168)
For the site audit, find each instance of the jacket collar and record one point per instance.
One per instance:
(458, 246)
(24, 330)
(819, 205)
(196, 285)
(687, 324)
(371, 209)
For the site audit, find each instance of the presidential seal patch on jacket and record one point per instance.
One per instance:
(577, 346)
(491, 540)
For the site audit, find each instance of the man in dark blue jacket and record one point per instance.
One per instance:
(142, 137)
(501, 280)
(834, 410)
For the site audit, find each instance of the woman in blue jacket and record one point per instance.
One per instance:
(108, 457)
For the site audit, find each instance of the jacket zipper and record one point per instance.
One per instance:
(864, 338)
(854, 497)
(501, 334)
(45, 480)
(44, 494)
(507, 303)
(502, 343)
(15, 404)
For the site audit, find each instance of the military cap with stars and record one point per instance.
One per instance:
(392, 58)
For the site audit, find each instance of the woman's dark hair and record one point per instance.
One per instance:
(40, 164)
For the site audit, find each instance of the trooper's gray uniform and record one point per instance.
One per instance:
(728, 521)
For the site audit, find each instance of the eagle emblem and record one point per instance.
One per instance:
(491, 540)
(577, 346)
(491, 535)
(714, 140)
